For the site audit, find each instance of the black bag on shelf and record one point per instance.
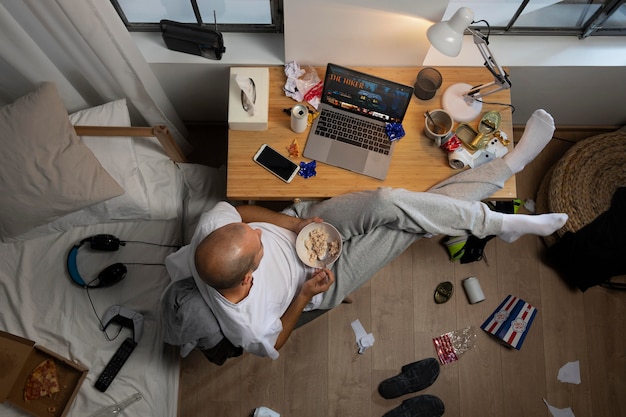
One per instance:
(192, 38)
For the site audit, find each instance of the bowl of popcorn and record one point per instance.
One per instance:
(319, 245)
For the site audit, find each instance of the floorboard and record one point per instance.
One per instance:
(320, 373)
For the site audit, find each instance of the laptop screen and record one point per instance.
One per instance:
(365, 94)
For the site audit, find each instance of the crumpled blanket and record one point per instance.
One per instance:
(595, 253)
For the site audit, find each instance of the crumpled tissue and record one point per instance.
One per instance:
(249, 93)
(303, 85)
(265, 412)
(559, 412)
(363, 339)
(570, 372)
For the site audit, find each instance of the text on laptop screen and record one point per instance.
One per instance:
(366, 95)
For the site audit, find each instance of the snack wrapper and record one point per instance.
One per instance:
(307, 169)
(452, 144)
(451, 345)
(395, 131)
(294, 149)
(303, 84)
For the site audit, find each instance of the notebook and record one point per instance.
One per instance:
(350, 129)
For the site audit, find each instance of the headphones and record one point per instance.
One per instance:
(110, 275)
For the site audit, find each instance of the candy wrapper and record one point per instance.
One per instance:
(451, 345)
(395, 131)
(451, 144)
(307, 169)
(303, 85)
(294, 149)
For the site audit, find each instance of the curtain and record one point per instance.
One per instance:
(85, 49)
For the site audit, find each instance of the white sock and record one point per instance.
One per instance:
(537, 133)
(516, 225)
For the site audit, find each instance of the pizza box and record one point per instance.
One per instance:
(18, 357)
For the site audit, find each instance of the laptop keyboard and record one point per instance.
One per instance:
(367, 135)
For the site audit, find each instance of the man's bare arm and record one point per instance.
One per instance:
(251, 213)
(320, 282)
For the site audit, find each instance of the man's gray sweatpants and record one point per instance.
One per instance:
(378, 225)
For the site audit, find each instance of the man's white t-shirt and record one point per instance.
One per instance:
(253, 323)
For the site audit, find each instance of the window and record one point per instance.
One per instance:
(580, 18)
(227, 15)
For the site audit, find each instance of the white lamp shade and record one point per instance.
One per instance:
(447, 36)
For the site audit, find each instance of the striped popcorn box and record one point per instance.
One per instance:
(510, 321)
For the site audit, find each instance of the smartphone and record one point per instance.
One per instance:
(277, 164)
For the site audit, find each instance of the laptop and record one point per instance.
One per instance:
(350, 130)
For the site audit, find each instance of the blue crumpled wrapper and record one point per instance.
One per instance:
(395, 131)
(307, 169)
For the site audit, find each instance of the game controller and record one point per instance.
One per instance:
(462, 156)
(125, 317)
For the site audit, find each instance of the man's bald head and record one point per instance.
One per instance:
(226, 255)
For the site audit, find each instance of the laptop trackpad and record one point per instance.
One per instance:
(347, 156)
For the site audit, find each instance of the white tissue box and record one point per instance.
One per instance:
(238, 118)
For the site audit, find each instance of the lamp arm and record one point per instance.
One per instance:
(483, 90)
(501, 78)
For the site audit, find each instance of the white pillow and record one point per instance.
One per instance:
(117, 155)
(46, 171)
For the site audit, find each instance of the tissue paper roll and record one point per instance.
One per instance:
(299, 118)
(473, 290)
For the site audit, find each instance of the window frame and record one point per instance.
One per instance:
(207, 21)
(591, 27)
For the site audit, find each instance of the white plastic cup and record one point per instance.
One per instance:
(473, 290)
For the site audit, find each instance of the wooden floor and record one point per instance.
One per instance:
(320, 374)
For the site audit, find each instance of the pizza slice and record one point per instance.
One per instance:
(42, 381)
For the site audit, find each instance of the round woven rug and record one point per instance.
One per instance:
(583, 182)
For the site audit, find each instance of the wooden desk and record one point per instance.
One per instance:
(417, 162)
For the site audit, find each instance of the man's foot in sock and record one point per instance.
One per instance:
(537, 133)
(515, 226)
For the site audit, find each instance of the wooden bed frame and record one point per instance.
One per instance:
(160, 132)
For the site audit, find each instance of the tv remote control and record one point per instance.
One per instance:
(115, 364)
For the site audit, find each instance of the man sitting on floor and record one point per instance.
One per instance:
(244, 262)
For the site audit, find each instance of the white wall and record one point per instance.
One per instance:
(580, 81)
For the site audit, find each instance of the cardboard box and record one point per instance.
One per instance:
(18, 357)
(511, 321)
(238, 118)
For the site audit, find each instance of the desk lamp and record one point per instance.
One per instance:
(463, 101)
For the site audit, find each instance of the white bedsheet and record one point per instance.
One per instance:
(39, 301)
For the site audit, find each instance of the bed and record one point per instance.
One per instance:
(58, 189)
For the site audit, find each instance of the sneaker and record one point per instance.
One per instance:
(420, 406)
(455, 246)
(414, 377)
